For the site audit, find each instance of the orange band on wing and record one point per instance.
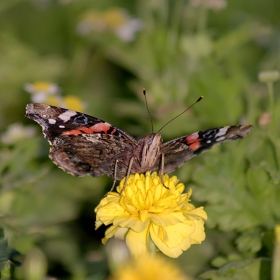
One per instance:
(72, 132)
(99, 127)
(195, 145)
(193, 141)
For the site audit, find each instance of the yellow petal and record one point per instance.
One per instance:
(143, 215)
(121, 233)
(133, 223)
(168, 219)
(197, 213)
(199, 234)
(137, 241)
(173, 240)
(109, 233)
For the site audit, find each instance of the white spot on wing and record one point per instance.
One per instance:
(61, 126)
(220, 138)
(222, 131)
(52, 121)
(66, 116)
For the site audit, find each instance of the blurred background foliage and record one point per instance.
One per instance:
(97, 56)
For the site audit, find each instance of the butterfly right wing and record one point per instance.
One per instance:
(178, 151)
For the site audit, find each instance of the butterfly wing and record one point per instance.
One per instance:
(82, 144)
(178, 151)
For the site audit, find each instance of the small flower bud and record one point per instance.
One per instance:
(269, 76)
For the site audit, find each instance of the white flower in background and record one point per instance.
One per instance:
(48, 93)
(127, 31)
(116, 21)
(40, 91)
(16, 132)
(210, 4)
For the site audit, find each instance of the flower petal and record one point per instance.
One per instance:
(172, 240)
(137, 241)
(131, 222)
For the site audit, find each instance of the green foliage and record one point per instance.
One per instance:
(245, 269)
(4, 253)
(179, 52)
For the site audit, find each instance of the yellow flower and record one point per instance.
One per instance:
(53, 100)
(72, 102)
(149, 268)
(147, 211)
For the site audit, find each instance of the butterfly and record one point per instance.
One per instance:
(85, 145)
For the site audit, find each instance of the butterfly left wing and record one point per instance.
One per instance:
(82, 144)
(178, 151)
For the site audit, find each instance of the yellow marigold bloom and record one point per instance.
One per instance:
(147, 211)
(149, 268)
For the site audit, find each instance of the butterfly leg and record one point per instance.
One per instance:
(115, 176)
(162, 170)
(127, 174)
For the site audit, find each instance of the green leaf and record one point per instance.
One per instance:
(257, 269)
(249, 241)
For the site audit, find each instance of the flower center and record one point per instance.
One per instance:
(146, 194)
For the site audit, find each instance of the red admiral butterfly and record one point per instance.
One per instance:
(85, 145)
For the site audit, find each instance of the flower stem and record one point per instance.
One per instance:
(273, 125)
(271, 96)
(276, 255)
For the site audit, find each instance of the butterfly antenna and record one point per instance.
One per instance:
(144, 93)
(181, 113)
